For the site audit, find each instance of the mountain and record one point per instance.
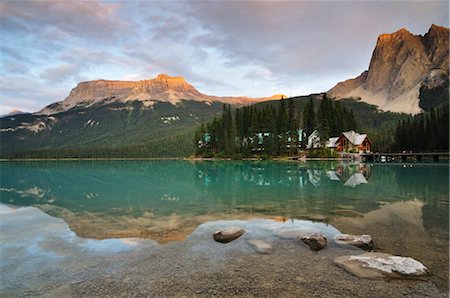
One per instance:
(403, 72)
(13, 112)
(163, 88)
(151, 118)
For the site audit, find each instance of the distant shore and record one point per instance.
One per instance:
(192, 159)
(91, 158)
(169, 158)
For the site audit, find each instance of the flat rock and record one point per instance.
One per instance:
(315, 241)
(228, 234)
(289, 233)
(375, 265)
(362, 241)
(261, 246)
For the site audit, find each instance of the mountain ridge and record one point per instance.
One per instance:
(163, 88)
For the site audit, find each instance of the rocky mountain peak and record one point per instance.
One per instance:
(436, 44)
(165, 77)
(399, 65)
(436, 28)
(176, 83)
(400, 34)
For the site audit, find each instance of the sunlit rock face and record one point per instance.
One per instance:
(400, 64)
(162, 88)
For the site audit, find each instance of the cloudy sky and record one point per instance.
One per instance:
(234, 48)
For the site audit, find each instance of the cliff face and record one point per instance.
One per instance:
(162, 88)
(400, 65)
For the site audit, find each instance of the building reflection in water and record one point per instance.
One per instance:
(350, 175)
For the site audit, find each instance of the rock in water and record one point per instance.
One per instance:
(315, 241)
(289, 233)
(378, 265)
(228, 234)
(362, 241)
(261, 246)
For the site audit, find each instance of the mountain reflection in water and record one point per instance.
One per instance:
(165, 199)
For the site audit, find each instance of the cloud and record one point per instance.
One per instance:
(60, 73)
(27, 93)
(14, 67)
(222, 48)
(301, 37)
(86, 20)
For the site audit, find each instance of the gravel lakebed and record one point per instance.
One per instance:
(41, 256)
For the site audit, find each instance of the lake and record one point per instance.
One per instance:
(405, 207)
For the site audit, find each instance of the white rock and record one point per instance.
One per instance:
(362, 241)
(378, 265)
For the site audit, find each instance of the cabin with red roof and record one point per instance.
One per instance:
(351, 141)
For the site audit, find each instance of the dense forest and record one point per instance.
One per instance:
(424, 132)
(179, 145)
(272, 130)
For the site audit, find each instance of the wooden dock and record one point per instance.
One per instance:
(403, 156)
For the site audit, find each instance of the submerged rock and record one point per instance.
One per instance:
(228, 234)
(315, 241)
(261, 246)
(362, 241)
(378, 265)
(289, 233)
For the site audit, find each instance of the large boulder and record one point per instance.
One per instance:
(315, 241)
(261, 246)
(378, 265)
(228, 234)
(362, 241)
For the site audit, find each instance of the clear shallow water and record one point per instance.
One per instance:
(404, 207)
(54, 262)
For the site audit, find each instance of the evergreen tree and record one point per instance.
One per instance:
(423, 132)
(326, 119)
(281, 127)
(293, 127)
(309, 117)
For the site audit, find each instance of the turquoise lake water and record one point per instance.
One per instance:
(314, 190)
(405, 207)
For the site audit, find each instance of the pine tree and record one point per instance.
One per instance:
(309, 117)
(325, 115)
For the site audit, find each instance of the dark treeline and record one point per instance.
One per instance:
(174, 146)
(424, 132)
(275, 129)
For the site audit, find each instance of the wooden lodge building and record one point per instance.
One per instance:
(350, 141)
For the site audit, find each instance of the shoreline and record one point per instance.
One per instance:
(197, 159)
